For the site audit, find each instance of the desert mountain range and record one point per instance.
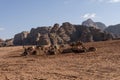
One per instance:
(88, 31)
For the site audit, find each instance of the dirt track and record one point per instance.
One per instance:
(104, 64)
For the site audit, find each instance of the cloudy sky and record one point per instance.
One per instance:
(22, 15)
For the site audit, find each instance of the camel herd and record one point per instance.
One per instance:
(75, 47)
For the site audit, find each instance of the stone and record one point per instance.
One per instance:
(64, 34)
(20, 38)
(114, 29)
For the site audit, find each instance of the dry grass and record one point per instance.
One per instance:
(104, 64)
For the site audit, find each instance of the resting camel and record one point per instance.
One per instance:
(78, 45)
(29, 51)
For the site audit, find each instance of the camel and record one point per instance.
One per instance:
(78, 46)
(28, 51)
(92, 49)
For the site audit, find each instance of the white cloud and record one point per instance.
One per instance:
(101, 0)
(109, 1)
(114, 1)
(1, 29)
(89, 15)
(97, 0)
(67, 1)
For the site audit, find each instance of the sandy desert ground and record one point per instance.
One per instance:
(104, 64)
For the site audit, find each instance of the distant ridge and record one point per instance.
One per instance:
(88, 31)
(63, 34)
(115, 29)
(101, 25)
(91, 23)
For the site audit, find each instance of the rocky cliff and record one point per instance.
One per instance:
(91, 23)
(21, 38)
(57, 34)
(6, 43)
(115, 29)
(101, 25)
(1, 42)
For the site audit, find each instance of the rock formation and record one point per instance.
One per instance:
(90, 23)
(9, 42)
(66, 33)
(1, 42)
(20, 38)
(101, 26)
(97, 25)
(6, 43)
(114, 29)
(55, 28)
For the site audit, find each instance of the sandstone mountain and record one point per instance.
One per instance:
(57, 34)
(115, 29)
(101, 25)
(21, 38)
(7, 42)
(91, 23)
(1, 40)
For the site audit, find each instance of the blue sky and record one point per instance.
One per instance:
(22, 15)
